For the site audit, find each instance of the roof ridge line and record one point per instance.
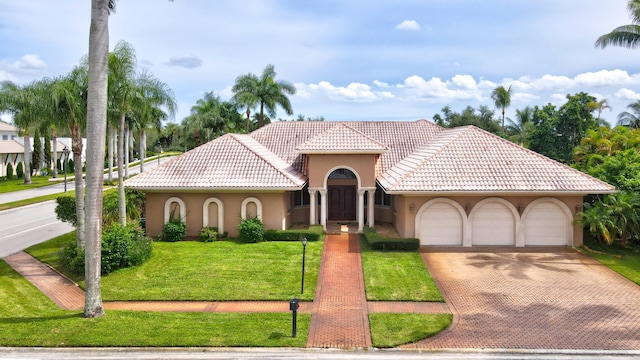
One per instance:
(240, 137)
(359, 133)
(430, 143)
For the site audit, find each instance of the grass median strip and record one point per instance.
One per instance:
(396, 276)
(391, 330)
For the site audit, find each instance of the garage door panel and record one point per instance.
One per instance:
(493, 224)
(546, 225)
(441, 225)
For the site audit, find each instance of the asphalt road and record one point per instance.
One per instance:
(29, 225)
(299, 354)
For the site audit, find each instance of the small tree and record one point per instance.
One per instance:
(36, 156)
(9, 171)
(47, 150)
(71, 168)
(20, 170)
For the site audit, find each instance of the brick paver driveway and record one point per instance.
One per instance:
(556, 299)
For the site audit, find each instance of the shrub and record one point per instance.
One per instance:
(173, 231)
(20, 170)
(209, 234)
(66, 209)
(291, 235)
(251, 230)
(70, 166)
(45, 171)
(124, 247)
(59, 165)
(72, 258)
(9, 171)
(377, 242)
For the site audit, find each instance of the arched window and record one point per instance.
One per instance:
(251, 207)
(175, 209)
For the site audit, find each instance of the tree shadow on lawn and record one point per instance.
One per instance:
(24, 320)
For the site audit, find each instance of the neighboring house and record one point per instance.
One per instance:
(12, 152)
(448, 187)
(7, 131)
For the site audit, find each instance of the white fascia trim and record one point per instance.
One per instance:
(501, 193)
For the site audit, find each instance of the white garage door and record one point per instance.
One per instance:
(546, 225)
(441, 224)
(493, 224)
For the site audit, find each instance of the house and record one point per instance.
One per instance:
(448, 187)
(7, 131)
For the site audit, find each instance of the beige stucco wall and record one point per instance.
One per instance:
(274, 210)
(363, 165)
(408, 206)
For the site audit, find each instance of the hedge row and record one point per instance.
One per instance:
(377, 242)
(313, 234)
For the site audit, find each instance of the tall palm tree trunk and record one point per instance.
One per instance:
(143, 149)
(96, 129)
(122, 204)
(54, 140)
(76, 147)
(110, 154)
(127, 137)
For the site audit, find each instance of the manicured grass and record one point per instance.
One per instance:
(624, 261)
(391, 330)
(222, 270)
(18, 184)
(396, 276)
(35, 200)
(28, 318)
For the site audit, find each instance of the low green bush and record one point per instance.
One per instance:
(291, 235)
(208, 234)
(122, 247)
(174, 231)
(377, 242)
(251, 230)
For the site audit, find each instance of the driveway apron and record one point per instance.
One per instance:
(559, 299)
(339, 317)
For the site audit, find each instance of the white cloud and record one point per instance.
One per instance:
(526, 98)
(461, 87)
(380, 84)
(185, 61)
(603, 78)
(27, 64)
(627, 94)
(353, 92)
(411, 25)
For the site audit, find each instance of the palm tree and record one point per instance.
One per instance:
(24, 103)
(96, 133)
(626, 35)
(122, 72)
(69, 95)
(502, 99)
(599, 106)
(630, 118)
(249, 90)
(522, 127)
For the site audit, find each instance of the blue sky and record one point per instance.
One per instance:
(349, 59)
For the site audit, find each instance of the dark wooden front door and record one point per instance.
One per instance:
(342, 202)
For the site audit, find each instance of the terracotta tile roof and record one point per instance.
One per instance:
(471, 159)
(401, 137)
(231, 161)
(341, 139)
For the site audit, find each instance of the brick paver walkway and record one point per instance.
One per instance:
(535, 300)
(339, 316)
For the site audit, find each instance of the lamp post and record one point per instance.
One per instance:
(65, 151)
(304, 252)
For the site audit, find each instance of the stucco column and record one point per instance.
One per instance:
(361, 209)
(313, 205)
(323, 208)
(371, 206)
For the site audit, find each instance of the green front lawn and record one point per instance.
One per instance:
(624, 261)
(222, 270)
(18, 184)
(396, 276)
(391, 330)
(29, 318)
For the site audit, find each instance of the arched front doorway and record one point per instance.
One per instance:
(342, 190)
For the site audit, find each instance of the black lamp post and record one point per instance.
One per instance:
(65, 151)
(304, 252)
